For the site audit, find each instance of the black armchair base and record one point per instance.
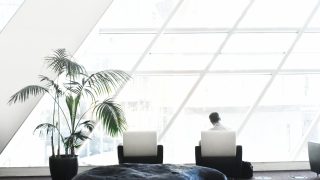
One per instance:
(230, 166)
(141, 159)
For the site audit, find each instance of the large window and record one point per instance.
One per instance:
(259, 70)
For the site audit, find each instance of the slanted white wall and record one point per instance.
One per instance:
(38, 27)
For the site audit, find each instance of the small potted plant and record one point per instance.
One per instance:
(75, 89)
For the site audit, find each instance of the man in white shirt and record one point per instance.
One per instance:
(217, 126)
(215, 120)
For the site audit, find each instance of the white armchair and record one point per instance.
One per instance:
(140, 147)
(218, 150)
(218, 143)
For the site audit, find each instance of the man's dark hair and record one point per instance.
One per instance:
(214, 117)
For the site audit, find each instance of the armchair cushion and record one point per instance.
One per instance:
(140, 147)
(140, 143)
(218, 143)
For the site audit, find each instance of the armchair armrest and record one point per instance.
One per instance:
(238, 171)
(120, 154)
(198, 155)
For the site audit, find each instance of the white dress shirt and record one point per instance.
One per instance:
(218, 126)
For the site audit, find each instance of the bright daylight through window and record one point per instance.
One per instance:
(188, 58)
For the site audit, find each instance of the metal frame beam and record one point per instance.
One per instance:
(210, 53)
(229, 72)
(103, 31)
(275, 73)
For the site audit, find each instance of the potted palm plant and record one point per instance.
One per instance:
(75, 89)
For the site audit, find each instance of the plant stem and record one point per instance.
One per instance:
(52, 144)
(91, 106)
(66, 150)
(58, 128)
(64, 115)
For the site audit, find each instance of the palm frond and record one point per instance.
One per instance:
(26, 92)
(75, 139)
(60, 62)
(79, 89)
(51, 83)
(74, 87)
(105, 81)
(48, 127)
(47, 79)
(79, 135)
(88, 124)
(112, 117)
(72, 104)
(89, 93)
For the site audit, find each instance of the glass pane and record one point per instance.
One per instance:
(150, 101)
(101, 149)
(230, 95)
(315, 22)
(281, 119)
(188, 43)
(275, 13)
(116, 51)
(137, 14)
(308, 43)
(303, 61)
(229, 62)
(208, 13)
(176, 62)
(182, 52)
(259, 43)
(306, 53)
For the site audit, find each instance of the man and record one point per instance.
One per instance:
(217, 126)
(215, 120)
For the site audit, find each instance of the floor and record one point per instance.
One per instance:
(273, 175)
(286, 175)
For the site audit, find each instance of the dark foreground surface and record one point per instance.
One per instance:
(152, 172)
(273, 175)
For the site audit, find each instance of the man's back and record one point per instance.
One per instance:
(218, 126)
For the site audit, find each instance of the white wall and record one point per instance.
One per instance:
(38, 27)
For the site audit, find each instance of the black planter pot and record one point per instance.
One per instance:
(63, 168)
